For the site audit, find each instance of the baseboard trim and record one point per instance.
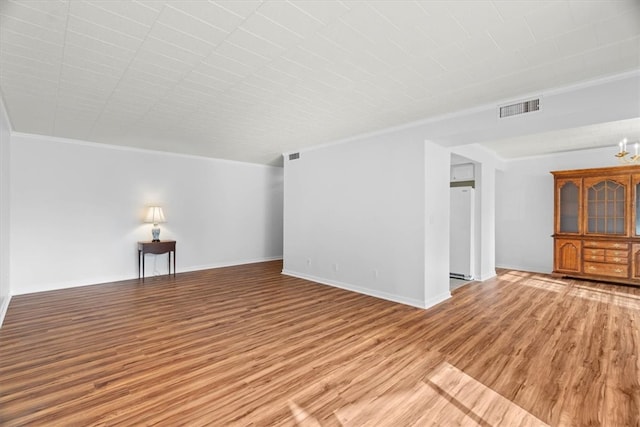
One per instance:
(122, 278)
(437, 299)
(34, 289)
(228, 264)
(4, 308)
(528, 269)
(487, 276)
(370, 292)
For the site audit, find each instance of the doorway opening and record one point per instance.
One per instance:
(462, 222)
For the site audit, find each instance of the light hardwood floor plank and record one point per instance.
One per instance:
(246, 345)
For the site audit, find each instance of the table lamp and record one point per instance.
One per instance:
(155, 216)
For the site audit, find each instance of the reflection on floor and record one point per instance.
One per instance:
(456, 398)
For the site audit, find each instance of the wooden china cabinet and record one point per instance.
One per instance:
(597, 224)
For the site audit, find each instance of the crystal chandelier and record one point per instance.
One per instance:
(624, 156)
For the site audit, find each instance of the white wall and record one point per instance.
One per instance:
(486, 183)
(76, 212)
(436, 236)
(5, 153)
(524, 206)
(355, 217)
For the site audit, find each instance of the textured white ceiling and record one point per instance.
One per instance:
(578, 138)
(247, 80)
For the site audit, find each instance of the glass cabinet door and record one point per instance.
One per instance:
(568, 206)
(606, 206)
(636, 204)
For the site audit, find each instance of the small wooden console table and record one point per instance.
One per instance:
(163, 247)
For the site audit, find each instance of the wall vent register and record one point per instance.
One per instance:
(520, 108)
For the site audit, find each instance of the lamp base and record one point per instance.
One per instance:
(155, 233)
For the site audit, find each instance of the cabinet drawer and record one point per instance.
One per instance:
(613, 270)
(594, 252)
(616, 259)
(615, 253)
(615, 256)
(605, 245)
(596, 258)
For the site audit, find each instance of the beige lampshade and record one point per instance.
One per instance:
(155, 215)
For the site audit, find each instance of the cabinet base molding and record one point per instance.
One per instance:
(600, 279)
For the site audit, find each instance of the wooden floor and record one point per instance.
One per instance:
(248, 346)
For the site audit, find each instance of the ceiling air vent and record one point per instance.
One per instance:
(294, 156)
(520, 108)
